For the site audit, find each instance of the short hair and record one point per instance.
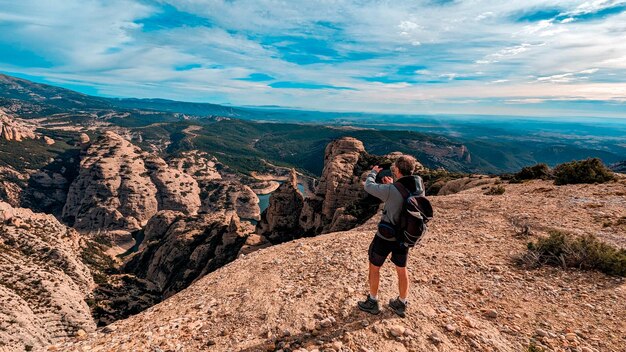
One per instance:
(406, 164)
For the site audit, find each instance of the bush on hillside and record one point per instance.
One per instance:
(496, 190)
(434, 180)
(582, 252)
(535, 172)
(583, 171)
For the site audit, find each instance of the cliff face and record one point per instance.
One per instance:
(119, 187)
(467, 294)
(15, 130)
(43, 283)
(178, 249)
(280, 221)
(12, 184)
(339, 185)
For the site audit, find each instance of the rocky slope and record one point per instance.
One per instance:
(12, 184)
(177, 249)
(220, 189)
(120, 187)
(43, 282)
(467, 294)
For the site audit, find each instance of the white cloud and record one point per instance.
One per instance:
(99, 43)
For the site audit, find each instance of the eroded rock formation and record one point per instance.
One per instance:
(339, 185)
(179, 249)
(230, 195)
(12, 184)
(120, 187)
(280, 221)
(43, 283)
(14, 129)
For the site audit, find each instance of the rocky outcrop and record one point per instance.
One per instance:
(175, 190)
(202, 166)
(467, 294)
(43, 283)
(280, 222)
(83, 139)
(179, 249)
(230, 195)
(339, 185)
(12, 184)
(120, 187)
(12, 129)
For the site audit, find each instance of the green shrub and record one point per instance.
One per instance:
(535, 172)
(495, 190)
(582, 252)
(583, 171)
(532, 347)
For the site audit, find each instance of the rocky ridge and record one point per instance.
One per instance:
(119, 187)
(220, 189)
(177, 249)
(43, 281)
(12, 129)
(467, 293)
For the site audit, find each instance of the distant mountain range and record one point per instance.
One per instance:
(491, 144)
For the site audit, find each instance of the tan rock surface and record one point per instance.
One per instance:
(13, 129)
(120, 187)
(280, 221)
(179, 249)
(43, 283)
(202, 166)
(466, 295)
(231, 195)
(12, 184)
(338, 185)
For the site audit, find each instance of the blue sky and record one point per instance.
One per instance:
(542, 58)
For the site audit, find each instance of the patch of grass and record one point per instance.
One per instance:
(583, 171)
(582, 252)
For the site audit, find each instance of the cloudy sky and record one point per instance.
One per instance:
(547, 58)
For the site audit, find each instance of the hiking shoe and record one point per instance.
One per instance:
(397, 306)
(369, 305)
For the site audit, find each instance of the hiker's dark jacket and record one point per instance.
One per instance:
(391, 196)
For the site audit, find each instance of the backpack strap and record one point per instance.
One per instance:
(403, 191)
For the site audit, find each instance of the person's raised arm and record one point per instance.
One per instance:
(380, 191)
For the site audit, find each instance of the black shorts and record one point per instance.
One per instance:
(380, 249)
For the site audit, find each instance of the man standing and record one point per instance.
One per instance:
(381, 246)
